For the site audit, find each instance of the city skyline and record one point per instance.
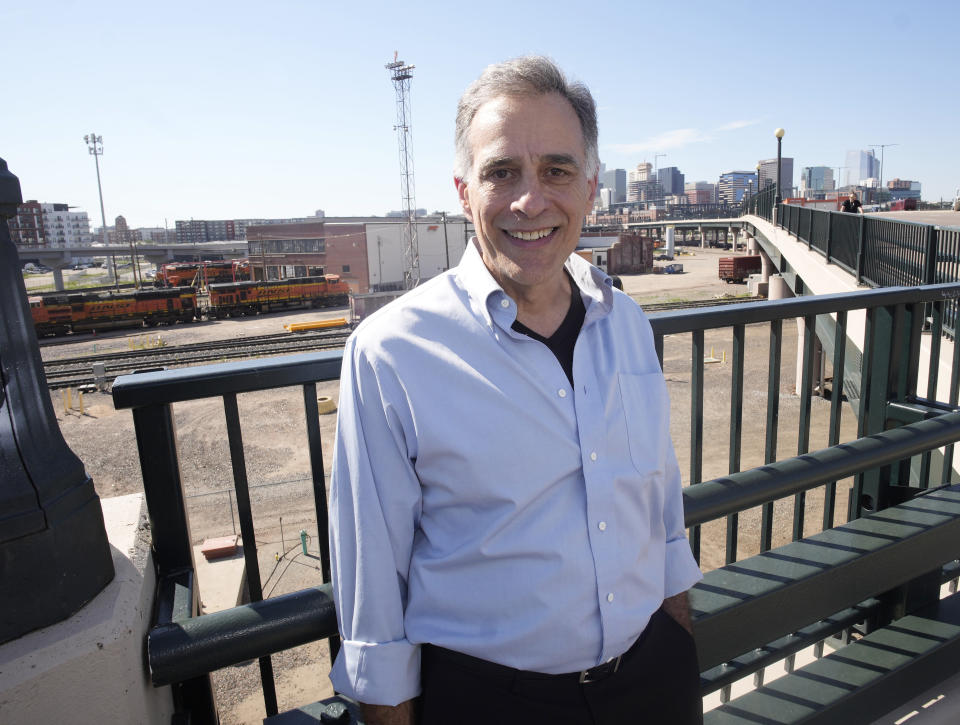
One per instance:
(219, 111)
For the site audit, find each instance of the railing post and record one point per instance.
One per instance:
(829, 247)
(171, 542)
(860, 244)
(163, 490)
(931, 251)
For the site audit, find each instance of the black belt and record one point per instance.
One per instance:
(503, 672)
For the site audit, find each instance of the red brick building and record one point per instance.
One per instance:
(301, 249)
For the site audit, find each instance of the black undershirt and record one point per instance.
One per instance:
(563, 340)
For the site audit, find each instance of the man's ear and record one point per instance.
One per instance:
(594, 183)
(464, 196)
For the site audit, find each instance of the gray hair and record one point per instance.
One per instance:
(531, 75)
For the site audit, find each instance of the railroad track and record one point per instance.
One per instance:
(78, 371)
(693, 304)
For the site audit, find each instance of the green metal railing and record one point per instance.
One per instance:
(889, 360)
(761, 203)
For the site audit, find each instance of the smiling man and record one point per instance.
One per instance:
(506, 512)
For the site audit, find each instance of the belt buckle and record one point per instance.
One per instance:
(595, 674)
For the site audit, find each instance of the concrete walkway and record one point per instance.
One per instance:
(821, 278)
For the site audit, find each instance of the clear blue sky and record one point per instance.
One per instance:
(235, 109)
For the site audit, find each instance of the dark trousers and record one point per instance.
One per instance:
(658, 681)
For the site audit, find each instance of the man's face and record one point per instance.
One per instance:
(528, 189)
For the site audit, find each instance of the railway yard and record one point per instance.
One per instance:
(278, 461)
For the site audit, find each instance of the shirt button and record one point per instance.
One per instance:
(593, 455)
(562, 393)
(602, 526)
(610, 597)
(504, 303)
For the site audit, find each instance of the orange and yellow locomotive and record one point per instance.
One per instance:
(59, 314)
(251, 298)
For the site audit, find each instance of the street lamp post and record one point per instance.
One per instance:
(95, 147)
(779, 134)
(881, 146)
(836, 183)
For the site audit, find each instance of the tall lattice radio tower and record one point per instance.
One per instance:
(400, 74)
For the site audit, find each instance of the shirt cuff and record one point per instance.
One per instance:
(681, 571)
(375, 673)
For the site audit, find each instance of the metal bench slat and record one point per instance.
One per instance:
(862, 681)
(826, 571)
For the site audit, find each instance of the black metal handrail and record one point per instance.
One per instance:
(185, 649)
(705, 318)
(721, 497)
(164, 387)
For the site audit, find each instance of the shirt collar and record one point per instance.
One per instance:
(487, 297)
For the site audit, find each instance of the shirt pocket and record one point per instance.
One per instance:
(645, 408)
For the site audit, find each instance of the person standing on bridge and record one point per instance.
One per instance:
(507, 530)
(852, 204)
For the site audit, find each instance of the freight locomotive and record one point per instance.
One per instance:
(59, 314)
(202, 274)
(251, 298)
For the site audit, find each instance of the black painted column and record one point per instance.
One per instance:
(54, 554)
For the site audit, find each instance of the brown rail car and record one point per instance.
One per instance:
(737, 269)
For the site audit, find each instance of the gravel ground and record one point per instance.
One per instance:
(278, 463)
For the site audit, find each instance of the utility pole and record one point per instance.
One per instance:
(881, 146)
(656, 178)
(837, 184)
(655, 157)
(446, 242)
(95, 147)
(400, 74)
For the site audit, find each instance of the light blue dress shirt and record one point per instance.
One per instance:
(481, 503)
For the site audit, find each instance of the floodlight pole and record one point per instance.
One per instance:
(95, 147)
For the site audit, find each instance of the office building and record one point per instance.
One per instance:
(861, 166)
(768, 175)
(903, 189)
(700, 192)
(616, 181)
(367, 252)
(197, 231)
(121, 233)
(157, 235)
(816, 181)
(670, 180)
(641, 184)
(734, 185)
